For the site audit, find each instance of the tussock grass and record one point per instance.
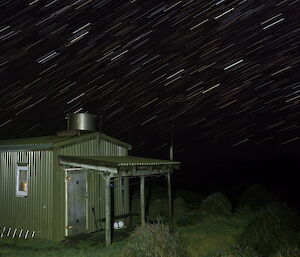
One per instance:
(293, 252)
(238, 251)
(270, 229)
(180, 206)
(255, 198)
(216, 204)
(192, 199)
(212, 234)
(188, 218)
(154, 240)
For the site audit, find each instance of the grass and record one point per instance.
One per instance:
(271, 229)
(157, 240)
(216, 204)
(192, 199)
(255, 198)
(238, 251)
(188, 218)
(43, 248)
(201, 240)
(214, 233)
(292, 252)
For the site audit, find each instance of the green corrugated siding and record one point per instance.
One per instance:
(43, 210)
(93, 147)
(34, 212)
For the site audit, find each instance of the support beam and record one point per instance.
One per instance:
(107, 211)
(143, 172)
(142, 198)
(170, 197)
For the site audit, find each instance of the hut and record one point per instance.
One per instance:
(74, 182)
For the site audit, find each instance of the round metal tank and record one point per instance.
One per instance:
(81, 121)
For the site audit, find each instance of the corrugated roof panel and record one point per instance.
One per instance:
(50, 142)
(116, 161)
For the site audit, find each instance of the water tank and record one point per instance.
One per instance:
(81, 121)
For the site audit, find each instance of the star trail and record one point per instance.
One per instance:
(222, 72)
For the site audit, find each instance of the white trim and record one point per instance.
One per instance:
(86, 202)
(66, 203)
(20, 193)
(89, 167)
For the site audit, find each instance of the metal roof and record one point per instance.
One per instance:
(116, 161)
(121, 166)
(52, 142)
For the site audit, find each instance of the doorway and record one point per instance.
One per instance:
(76, 201)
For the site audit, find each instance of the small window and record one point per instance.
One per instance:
(22, 180)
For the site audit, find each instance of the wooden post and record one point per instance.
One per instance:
(169, 177)
(142, 198)
(107, 211)
(170, 197)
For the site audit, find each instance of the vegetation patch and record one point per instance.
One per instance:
(216, 204)
(212, 234)
(154, 240)
(188, 218)
(293, 252)
(192, 199)
(238, 251)
(270, 229)
(255, 198)
(43, 248)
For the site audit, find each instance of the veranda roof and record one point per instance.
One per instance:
(121, 165)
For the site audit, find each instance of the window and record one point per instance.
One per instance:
(22, 180)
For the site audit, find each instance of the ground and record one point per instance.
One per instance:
(204, 229)
(202, 240)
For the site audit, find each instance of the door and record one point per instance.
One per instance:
(76, 182)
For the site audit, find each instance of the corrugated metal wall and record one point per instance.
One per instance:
(34, 212)
(93, 147)
(43, 211)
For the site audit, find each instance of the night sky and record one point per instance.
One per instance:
(222, 77)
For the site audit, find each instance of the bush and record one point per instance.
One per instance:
(270, 229)
(238, 251)
(188, 218)
(255, 198)
(216, 204)
(294, 252)
(154, 240)
(192, 199)
(179, 206)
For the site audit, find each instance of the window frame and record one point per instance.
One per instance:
(22, 166)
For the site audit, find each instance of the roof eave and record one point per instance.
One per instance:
(39, 147)
(115, 141)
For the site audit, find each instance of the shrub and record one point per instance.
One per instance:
(270, 229)
(154, 240)
(216, 204)
(188, 218)
(192, 199)
(293, 252)
(255, 198)
(238, 251)
(179, 206)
